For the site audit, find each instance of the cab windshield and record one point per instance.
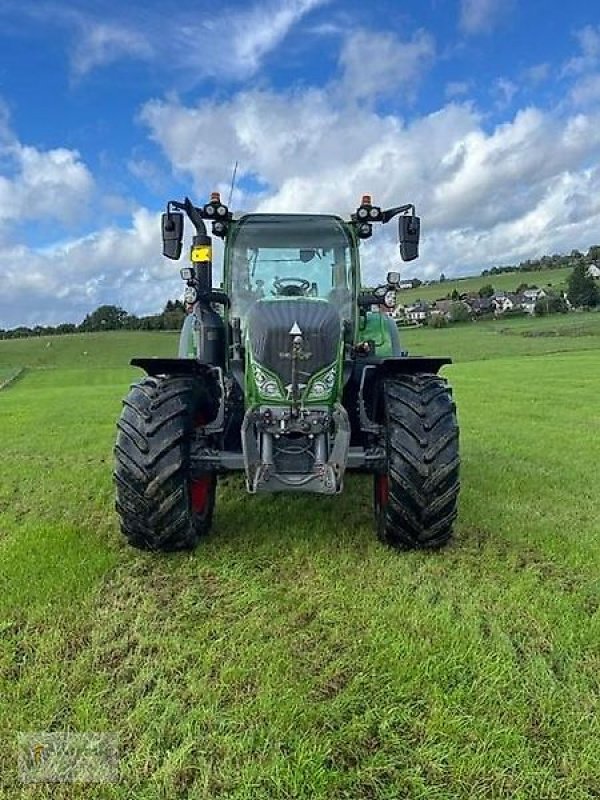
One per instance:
(284, 256)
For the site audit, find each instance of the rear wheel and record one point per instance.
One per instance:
(416, 497)
(161, 503)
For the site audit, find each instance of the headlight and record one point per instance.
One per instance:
(190, 295)
(270, 388)
(323, 384)
(266, 385)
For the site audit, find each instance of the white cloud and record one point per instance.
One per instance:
(486, 196)
(375, 63)
(457, 88)
(53, 184)
(190, 42)
(586, 91)
(481, 16)
(537, 74)
(99, 44)
(65, 281)
(521, 189)
(505, 91)
(259, 30)
(589, 55)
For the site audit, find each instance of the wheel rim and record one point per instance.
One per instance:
(200, 489)
(382, 490)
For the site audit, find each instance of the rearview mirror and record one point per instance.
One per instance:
(409, 228)
(172, 234)
(307, 255)
(393, 278)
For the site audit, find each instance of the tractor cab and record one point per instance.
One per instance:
(279, 257)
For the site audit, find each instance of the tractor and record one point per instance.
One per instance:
(290, 373)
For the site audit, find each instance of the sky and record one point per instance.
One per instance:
(483, 113)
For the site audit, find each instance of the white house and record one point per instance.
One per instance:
(502, 302)
(529, 298)
(593, 271)
(417, 313)
(534, 294)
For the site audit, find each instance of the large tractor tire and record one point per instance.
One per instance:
(161, 504)
(416, 497)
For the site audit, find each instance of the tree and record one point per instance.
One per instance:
(104, 318)
(581, 288)
(442, 278)
(594, 252)
(486, 291)
(455, 295)
(66, 327)
(438, 321)
(551, 303)
(458, 312)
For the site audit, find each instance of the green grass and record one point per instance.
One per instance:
(85, 350)
(506, 338)
(291, 656)
(8, 375)
(506, 282)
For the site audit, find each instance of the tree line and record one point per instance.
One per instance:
(107, 318)
(555, 261)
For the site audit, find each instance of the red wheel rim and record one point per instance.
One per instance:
(382, 490)
(200, 493)
(200, 488)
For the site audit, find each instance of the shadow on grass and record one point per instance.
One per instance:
(289, 518)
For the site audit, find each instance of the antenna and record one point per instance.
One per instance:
(232, 183)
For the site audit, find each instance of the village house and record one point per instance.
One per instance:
(446, 307)
(418, 312)
(480, 305)
(443, 307)
(501, 302)
(593, 271)
(411, 283)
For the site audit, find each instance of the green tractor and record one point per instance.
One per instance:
(290, 374)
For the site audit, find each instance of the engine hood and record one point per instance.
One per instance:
(272, 325)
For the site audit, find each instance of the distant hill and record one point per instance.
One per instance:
(506, 282)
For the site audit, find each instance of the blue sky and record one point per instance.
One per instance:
(484, 113)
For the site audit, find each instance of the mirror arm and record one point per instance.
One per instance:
(194, 214)
(215, 296)
(390, 213)
(367, 300)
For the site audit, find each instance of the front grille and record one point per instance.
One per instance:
(269, 325)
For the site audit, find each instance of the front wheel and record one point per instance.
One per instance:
(162, 504)
(416, 497)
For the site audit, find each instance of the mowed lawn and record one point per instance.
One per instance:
(291, 655)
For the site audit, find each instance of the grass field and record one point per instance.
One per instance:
(506, 338)
(291, 656)
(506, 282)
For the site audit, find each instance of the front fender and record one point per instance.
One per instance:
(172, 366)
(410, 365)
